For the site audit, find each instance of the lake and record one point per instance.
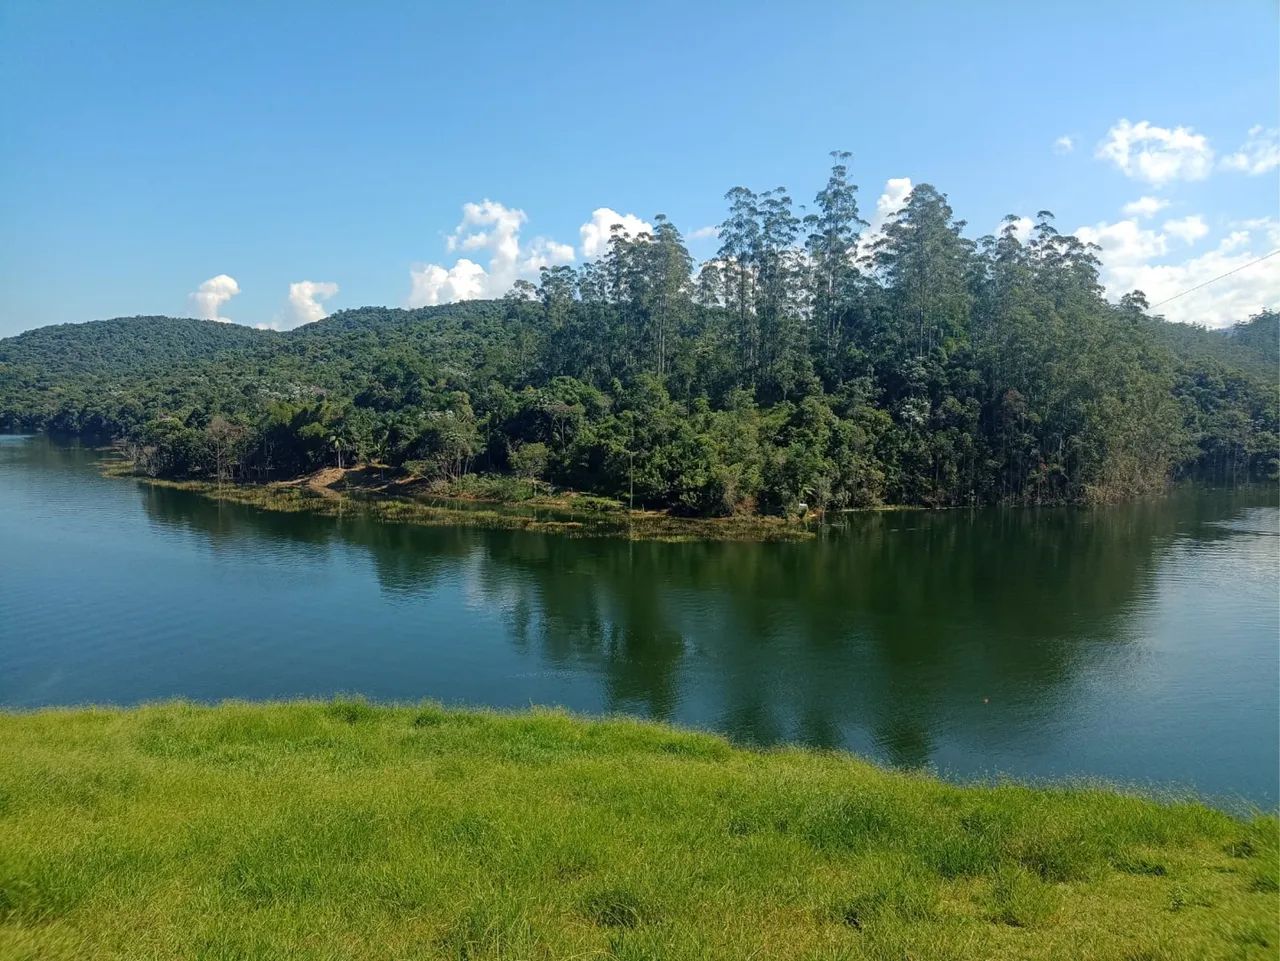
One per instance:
(1138, 643)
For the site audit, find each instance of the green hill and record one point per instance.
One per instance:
(126, 345)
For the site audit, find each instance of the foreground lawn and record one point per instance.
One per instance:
(346, 831)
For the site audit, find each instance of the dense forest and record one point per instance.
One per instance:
(806, 364)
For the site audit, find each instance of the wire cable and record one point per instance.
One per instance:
(1215, 279)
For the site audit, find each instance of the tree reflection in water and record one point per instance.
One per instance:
(886, 629)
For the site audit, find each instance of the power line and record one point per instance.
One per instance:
(1215, 279)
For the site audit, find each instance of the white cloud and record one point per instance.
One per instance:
(1064, 144)
(1144, 207)
(1157, 155)
(488, 225)
(1128, 252)
(485, 226)
(545, 253)
(1235, 240)
(896, 192)
(1258, 155)
(596, 231)
(432, 284)
(1022, 228)
(208, 298)
(1125, 242)
(1187, 229)
(304, 304)
(703, 233)
(891, 200)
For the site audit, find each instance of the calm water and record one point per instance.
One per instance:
(1137, 643)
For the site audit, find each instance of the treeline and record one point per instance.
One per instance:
(807, 363)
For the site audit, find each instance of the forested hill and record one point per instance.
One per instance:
(123, 345)
(804, 364)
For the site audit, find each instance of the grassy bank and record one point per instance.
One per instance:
(479, 502)
(339, 830)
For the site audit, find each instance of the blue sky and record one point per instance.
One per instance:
(152, 147)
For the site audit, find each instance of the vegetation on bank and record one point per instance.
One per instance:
(343, 830)
(478, 501)
(807, 363)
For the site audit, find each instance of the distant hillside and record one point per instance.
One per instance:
(126, 344)
(1250, 348)
(1260, 338)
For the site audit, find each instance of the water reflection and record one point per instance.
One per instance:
(896, 625)
(1128, 642)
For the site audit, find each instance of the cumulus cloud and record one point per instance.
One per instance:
(1129, 253)
(491, 227)
(1022, 228)
(1187, 229)
(304, 305)
(1064, 144)
(1125, 242)
(432, 284)
(596, 231)
(891, 200)
(896, 192)
(545, 253)
(703, 233)
(207, 299)
(1258, 155)
(488, 225)
(1157, 155)
(1144, 207)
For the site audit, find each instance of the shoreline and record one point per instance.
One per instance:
(386, 494)
(330, 491)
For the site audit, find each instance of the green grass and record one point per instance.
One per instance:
(342, 830)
